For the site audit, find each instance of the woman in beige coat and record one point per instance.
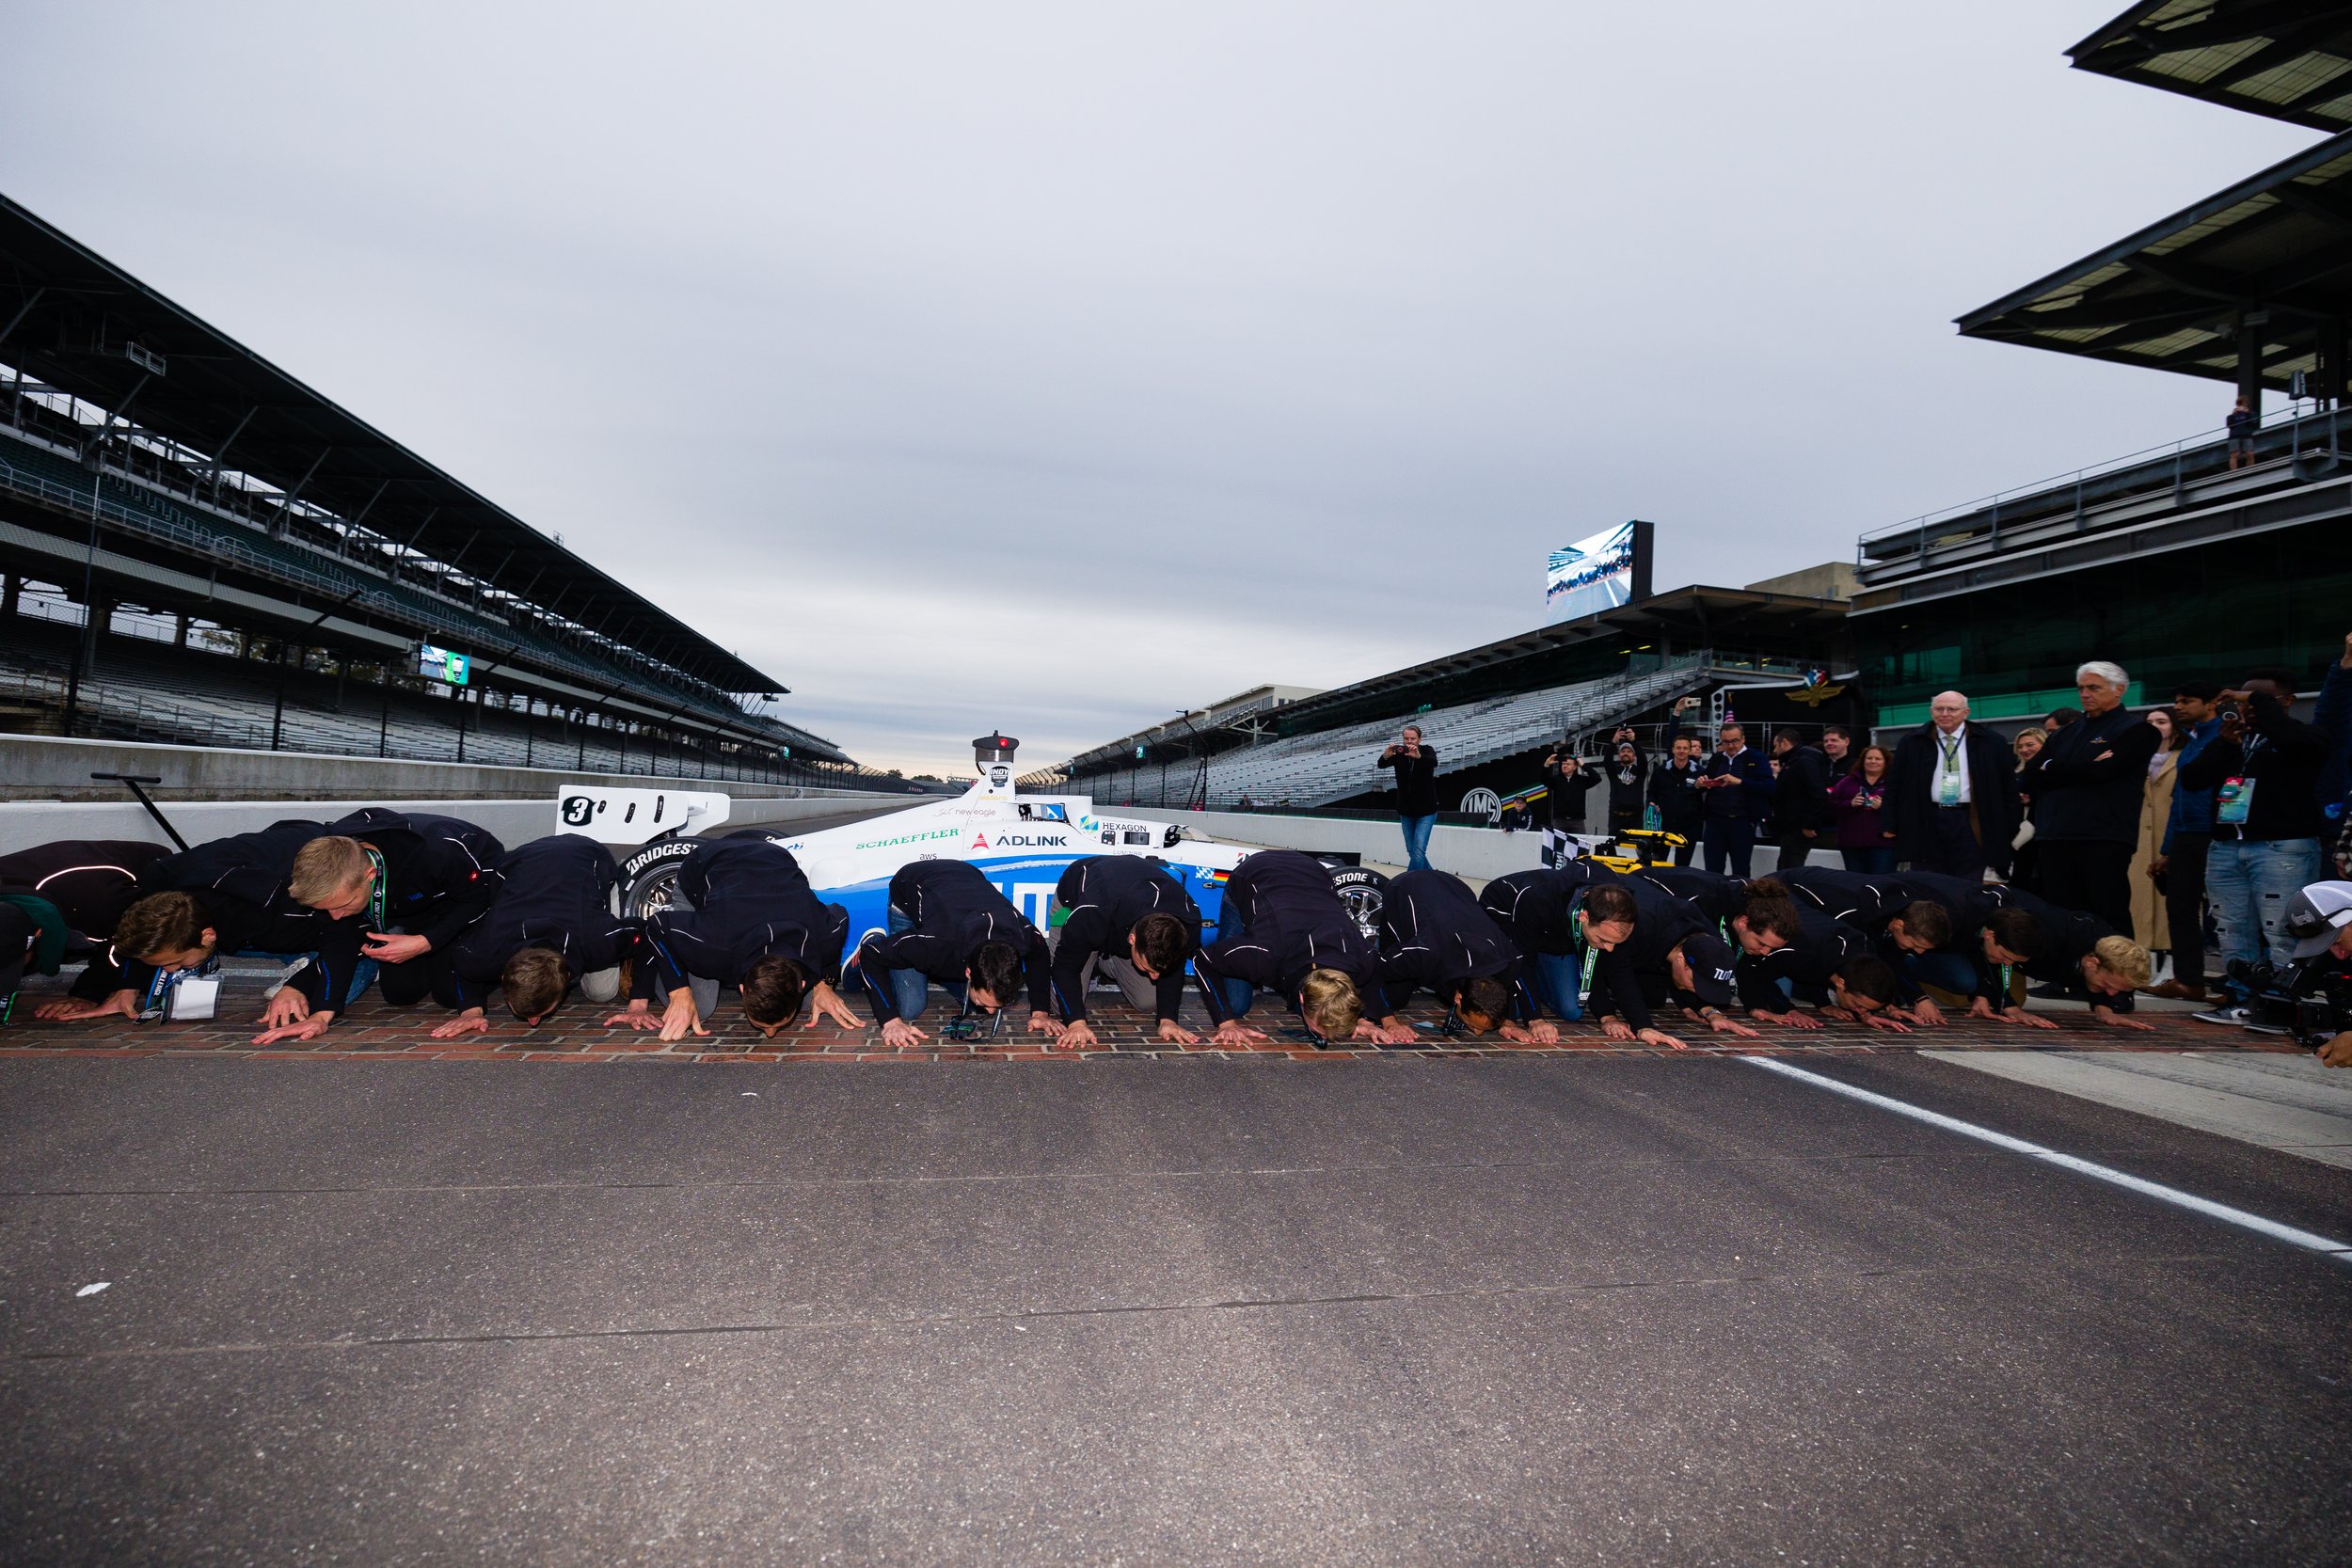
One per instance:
(2150, 927)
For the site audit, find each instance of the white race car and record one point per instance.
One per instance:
(1022, 842)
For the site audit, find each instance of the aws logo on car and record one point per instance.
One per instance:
(1022, 841)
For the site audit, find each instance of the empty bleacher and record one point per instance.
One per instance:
(1334, 765)
(145, 690)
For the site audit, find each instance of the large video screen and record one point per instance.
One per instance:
(1597, 573)
(440, 664)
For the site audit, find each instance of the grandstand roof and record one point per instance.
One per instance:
(2167, 296)
(71, 317)
(2290, 59)
(1690, 615)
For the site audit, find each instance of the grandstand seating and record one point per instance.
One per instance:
(153, 691)
(31, 470)
(1333, 765)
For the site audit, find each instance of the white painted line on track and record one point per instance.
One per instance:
(2308, 1240)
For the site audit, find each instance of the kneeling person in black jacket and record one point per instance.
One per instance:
(1829, 966)
(225, 896)
(746, 917)
(2069, 948)
(58, 904)
(550, 927)
(1282, 928)
(394, 887)
(949, 924)
(1127, 918)
(1435, 936)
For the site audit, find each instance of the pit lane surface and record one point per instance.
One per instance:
(1151, 1310)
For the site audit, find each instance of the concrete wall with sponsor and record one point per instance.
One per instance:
(47, 767)
(25, 823)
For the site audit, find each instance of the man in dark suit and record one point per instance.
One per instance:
(1800, 797)
(1738, 787)
(1951, 795)
(2088, 785)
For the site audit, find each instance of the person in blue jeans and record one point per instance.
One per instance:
(1414, 763)
(2264, 768)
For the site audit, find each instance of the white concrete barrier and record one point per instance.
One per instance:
(25, 823)
(51, 768)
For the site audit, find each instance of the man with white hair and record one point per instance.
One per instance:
(1951, 797)
(2087, 784)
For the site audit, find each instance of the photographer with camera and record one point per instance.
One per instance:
(1628, 772)
(2264, 768)
(1416, 765)
(2311, 995)
(1567, 782)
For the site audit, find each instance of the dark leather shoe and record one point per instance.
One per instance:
(2172, 991)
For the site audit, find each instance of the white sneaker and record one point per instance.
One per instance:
(2236, 1018)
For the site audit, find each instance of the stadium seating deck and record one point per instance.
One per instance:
(1333, 765)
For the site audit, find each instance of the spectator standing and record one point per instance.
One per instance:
(1673, 786)
(1858, 800)
(1628, 772)
(2087, 785)
(1800, 795)
(2264, 768)
(2181, 852)
(2151, 918)
(2245, 422)
(2333, 714)
(1416, 768)
(1837, 745)
(1951, 797)
(1738, 787)
(2025, 868)
(1567, 784)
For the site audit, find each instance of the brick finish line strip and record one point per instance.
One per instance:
(2307, 1241)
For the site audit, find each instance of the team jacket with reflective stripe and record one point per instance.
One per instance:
(1435, 936)
(2067, 938)
(954, 909)
(1713, 894)
(91, 881)
(1868, 901)
(440, 874)
(239, 884)
(556, 892)
(1536, 910)
(1534, 907)
(1103, 896)
(750, 900)
(1822, 946)
(1663, 923)
(1281, 919)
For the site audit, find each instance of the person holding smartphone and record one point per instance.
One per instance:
(1415, 762)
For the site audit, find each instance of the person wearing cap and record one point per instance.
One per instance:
(2320, 920)
(1282, 928)
(745, 916)
(1125, 917)
(949, 924)
(1683, 955)
(58, 904)
(1436, 936)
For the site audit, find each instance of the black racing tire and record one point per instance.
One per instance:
(1365, 893)
(649, 877)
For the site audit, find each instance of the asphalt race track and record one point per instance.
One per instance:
(1149, 1309)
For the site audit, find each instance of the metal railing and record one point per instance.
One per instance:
(2305, 432)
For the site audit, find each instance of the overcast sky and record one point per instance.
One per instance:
(1060, 367)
